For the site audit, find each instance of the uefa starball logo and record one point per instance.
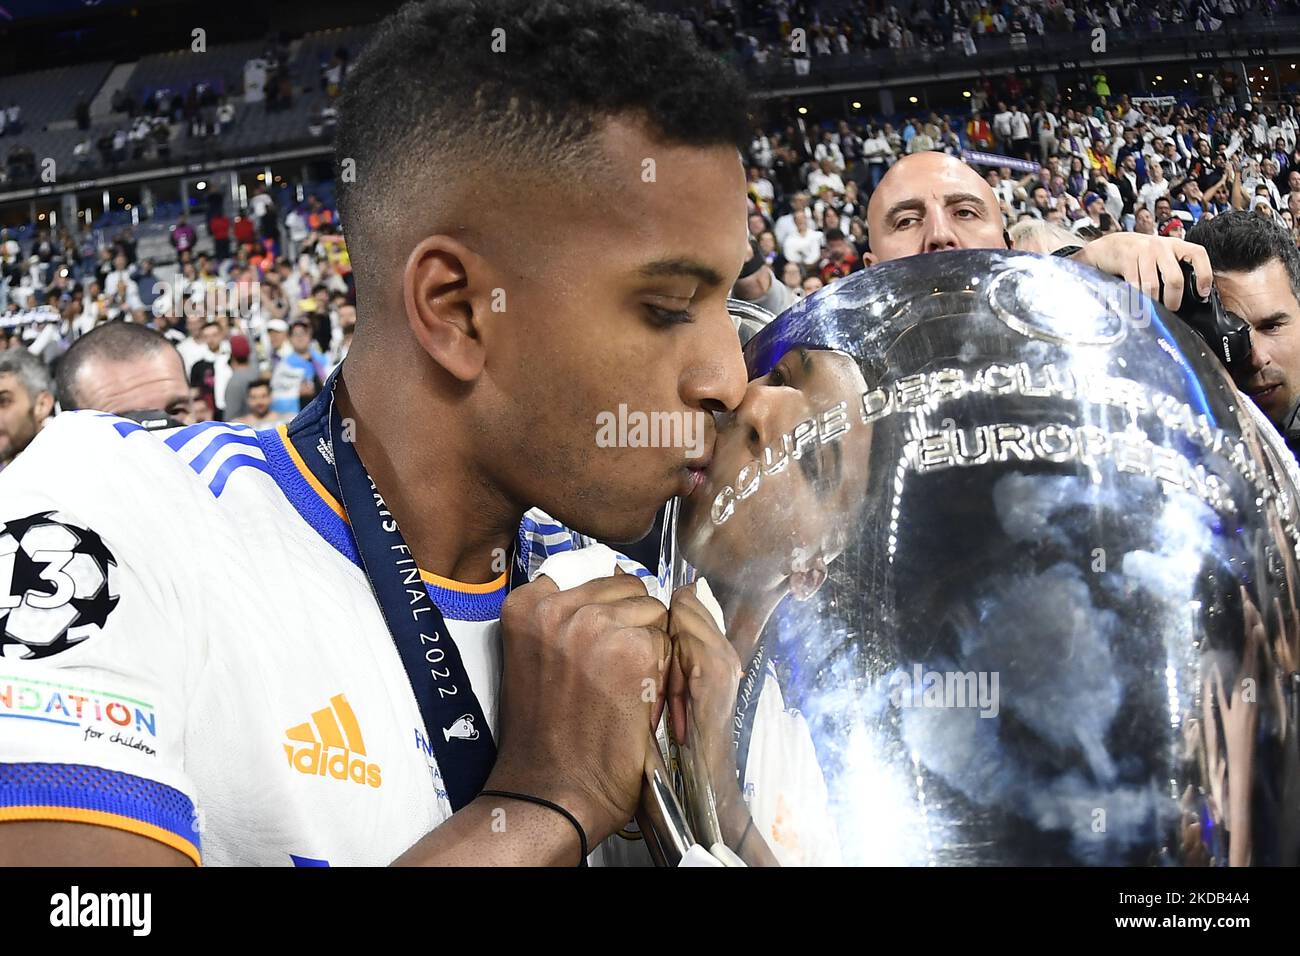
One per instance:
(57, 585)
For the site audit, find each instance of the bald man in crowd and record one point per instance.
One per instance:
(932, 202)
(123, 368)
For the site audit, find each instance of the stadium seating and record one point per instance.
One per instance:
(220, 66)
(51, 96)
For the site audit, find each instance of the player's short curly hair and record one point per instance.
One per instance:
(449, 88)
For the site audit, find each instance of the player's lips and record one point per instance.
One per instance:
(694, 474)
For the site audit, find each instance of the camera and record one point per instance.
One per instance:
(1226, 333)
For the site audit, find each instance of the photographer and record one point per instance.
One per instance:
(1257, 273)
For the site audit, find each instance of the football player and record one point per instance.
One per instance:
(295, 645)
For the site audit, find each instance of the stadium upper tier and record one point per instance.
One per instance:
(1250, 37)
(52, 100)
(50, 96)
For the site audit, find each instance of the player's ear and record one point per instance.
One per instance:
(439, 296)
(808, 581)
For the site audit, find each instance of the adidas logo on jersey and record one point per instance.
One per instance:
(330, 745)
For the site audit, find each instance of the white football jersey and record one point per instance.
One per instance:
(784, 787)
(189, 649)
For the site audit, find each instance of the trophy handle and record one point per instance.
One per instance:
(666, 826)
(660, 817)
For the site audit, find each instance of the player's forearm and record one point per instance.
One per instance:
(497, 831)
(739, 829)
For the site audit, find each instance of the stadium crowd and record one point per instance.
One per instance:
(263, 299)
(1147, 165)
(258, 312)
(759, 36)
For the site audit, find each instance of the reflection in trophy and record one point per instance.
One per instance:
(1009, 568)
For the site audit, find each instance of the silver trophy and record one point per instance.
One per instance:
(1010, 569)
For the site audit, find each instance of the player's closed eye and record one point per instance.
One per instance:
(668, 317)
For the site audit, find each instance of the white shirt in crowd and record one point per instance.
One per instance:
(817, 179)
(782, 228)
(1002, 124)
(876, 149)
(1250, 185)
(259, 204)
(1152, 191)
(130, 291)
(1114, 202)
(829, 151)
(804, 248)
(296, 223)
(1019, 125)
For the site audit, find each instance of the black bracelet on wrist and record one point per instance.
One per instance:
(1066, 251)
(542, 802)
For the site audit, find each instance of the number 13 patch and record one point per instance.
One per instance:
(57, 585)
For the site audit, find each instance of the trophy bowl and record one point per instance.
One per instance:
(1009, 567)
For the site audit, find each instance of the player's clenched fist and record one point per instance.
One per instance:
(704, 674)
(581, 689)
